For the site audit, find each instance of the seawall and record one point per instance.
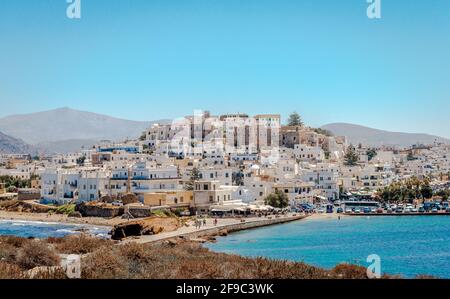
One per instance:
(216, 230)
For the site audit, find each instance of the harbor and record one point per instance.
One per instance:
(407, 246)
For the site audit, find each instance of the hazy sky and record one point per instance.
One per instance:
(153, 59)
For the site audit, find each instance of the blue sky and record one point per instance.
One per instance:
(153, 59)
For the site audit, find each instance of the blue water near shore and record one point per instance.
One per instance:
(37, 229)
(407, 245)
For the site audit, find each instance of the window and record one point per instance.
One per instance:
(205, 186)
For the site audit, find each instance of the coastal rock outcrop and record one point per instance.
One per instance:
(97, 209)
(25, 206)
(147, 226)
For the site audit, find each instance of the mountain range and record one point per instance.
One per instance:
(372, 137)
(67, 130)
(11, 145)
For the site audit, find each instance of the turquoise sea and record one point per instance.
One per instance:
(407, 245)
(37, 229)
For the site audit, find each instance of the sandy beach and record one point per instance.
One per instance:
(5, 215)
(326, 216)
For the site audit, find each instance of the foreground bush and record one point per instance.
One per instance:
(36, 254)
(78, 244)
(175, 259)
(10, 271)
(192, 261)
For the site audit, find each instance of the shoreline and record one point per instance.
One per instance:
(58, 219)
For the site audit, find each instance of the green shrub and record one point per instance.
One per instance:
(66, 209)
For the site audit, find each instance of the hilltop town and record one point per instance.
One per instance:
(226, 164)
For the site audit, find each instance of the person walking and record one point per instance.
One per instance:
(204, 222)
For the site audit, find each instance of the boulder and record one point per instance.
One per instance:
(223, 233)
(75, 214)
(96, 209)
(147, 226)
(129, 198)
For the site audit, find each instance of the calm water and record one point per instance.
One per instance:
(36, 229)
(407, 245)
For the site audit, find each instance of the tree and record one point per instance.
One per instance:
(195, 176)
(371, 153)
(80, 160)
(277, 199)
(351, 158)
(407, 190)
(295, 119)
(445, 194)
(410, 157)
(426, 191)
(13, 182)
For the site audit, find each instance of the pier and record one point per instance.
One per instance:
(227, 224)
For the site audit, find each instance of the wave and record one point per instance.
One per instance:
(28, 222)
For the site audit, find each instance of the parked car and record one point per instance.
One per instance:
(380, 211)
(434, 210)
(339, 210)
(357, 210)
(348, 211)
(366, 210)
(421, 210)
(399, 210)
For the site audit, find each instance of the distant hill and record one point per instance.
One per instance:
(65, 129)
(11, 145)
(372, 137)
(65, 146)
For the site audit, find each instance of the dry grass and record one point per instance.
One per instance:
(78, 244)
(36, 254)
(10, 271)
(169, 260)
(192, 261)
(26, 253)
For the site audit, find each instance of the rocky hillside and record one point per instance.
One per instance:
(372, 137)
(11, 145)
